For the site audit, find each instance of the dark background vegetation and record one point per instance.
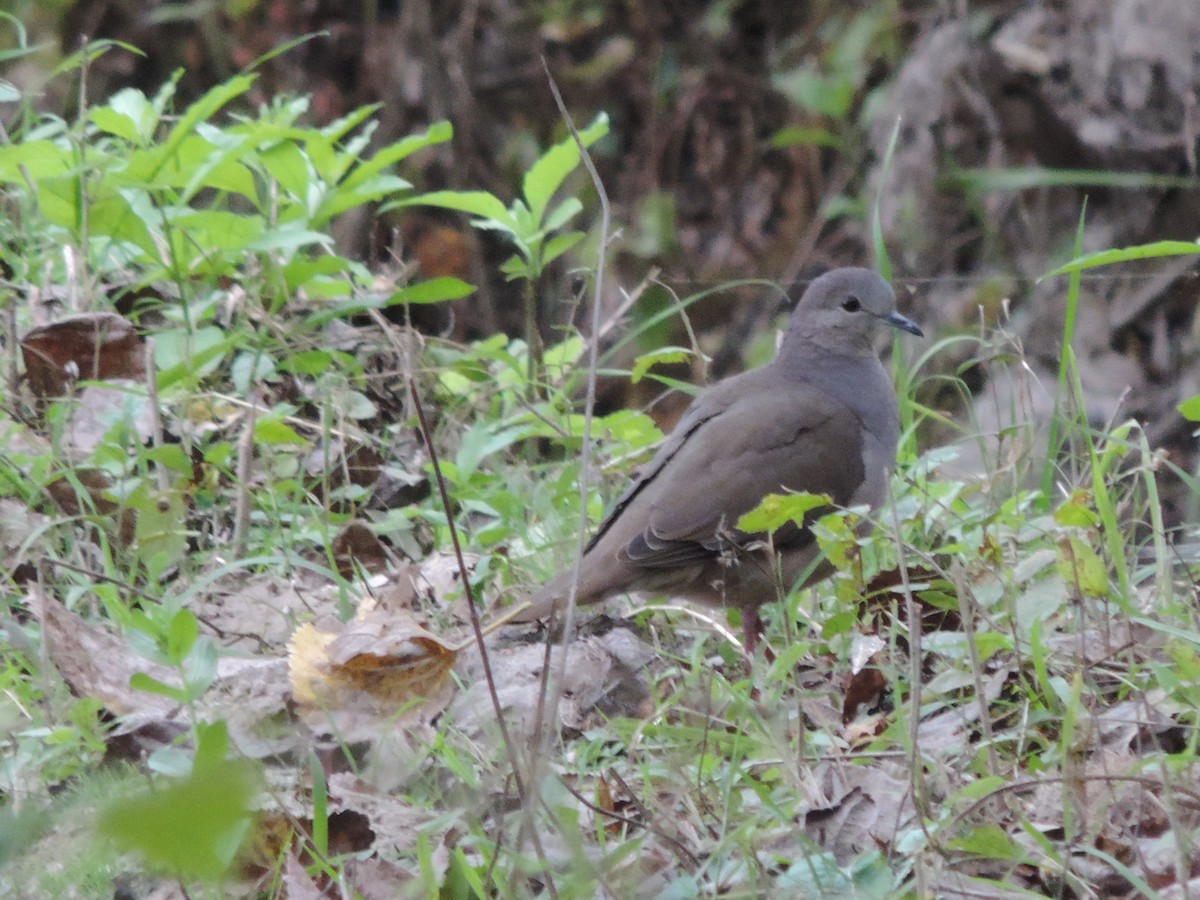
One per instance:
(747, 140)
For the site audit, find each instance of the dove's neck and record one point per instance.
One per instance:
(856, 380)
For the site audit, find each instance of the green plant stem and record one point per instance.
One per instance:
(533, 341)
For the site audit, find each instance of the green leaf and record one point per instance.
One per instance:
(990, 842)
(181, 636)
(1080, 565)
(308, 362)
(435, 290)
(547, 174)
(200, 669)
(1019, 179)
(182, 356)
(437, 133)
(197, 163)
(114, 123)
(476, 203)
(208, 229)
(776, 510)
(646, 361)
(212, 746)
(290, 237)
(192, 828)
(288, 165)
(1142, 251)
(41, 159)
(560, 244)
(109, 213)
(1190, 409)
(1076, 511)
(201, 111)
(250, 368)
(140, 681)
(562, 214)
(273, 431)
(795, 135)
(516, 267)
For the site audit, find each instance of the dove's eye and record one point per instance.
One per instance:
(851, 304)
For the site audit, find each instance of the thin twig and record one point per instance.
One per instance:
(160, 471)
(473, 611)
(681, 852)
(552, 693)
(245, 466)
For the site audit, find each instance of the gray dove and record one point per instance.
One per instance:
(820, 417)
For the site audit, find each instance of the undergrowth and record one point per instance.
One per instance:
(997, 685)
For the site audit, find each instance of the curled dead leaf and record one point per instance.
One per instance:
(358, 543)
(87, 347)
(379, 663)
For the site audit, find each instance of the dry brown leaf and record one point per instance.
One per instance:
(96, 663)
(357, 545)
(865, 808)
(98, 406)
(96, 484)
(380, 879)
(379, 663)
(87, 347)
(297, 882)
(863, 690)
(604, 677)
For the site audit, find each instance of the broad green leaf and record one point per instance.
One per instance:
(213, 229)
(437, 133)
(1076, 511)
(547, 174)
(1080, 565)
(476, 203)
(795, 135)
(990, 842)
(200, 668)
(212, 746)
(129, 115)
(181, 635)
(41, 159)
(560, 244)
(161, 532)
(249, 369)
(287, 164)
(197, 163)
(116, 123)
(289, 237)
(435, 290)
(274, 431)
(109, 213)
(338, 200)
(308, 362)
(201, 111)
(140, 681)
(179, 355)
(776, 510)
(192, 828)
(562, 214)
(302, 269)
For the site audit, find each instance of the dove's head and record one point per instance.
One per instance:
(842, 312)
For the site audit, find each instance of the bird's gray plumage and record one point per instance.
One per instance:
(821, 417)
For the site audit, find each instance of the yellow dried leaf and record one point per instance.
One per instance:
(380, 662)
